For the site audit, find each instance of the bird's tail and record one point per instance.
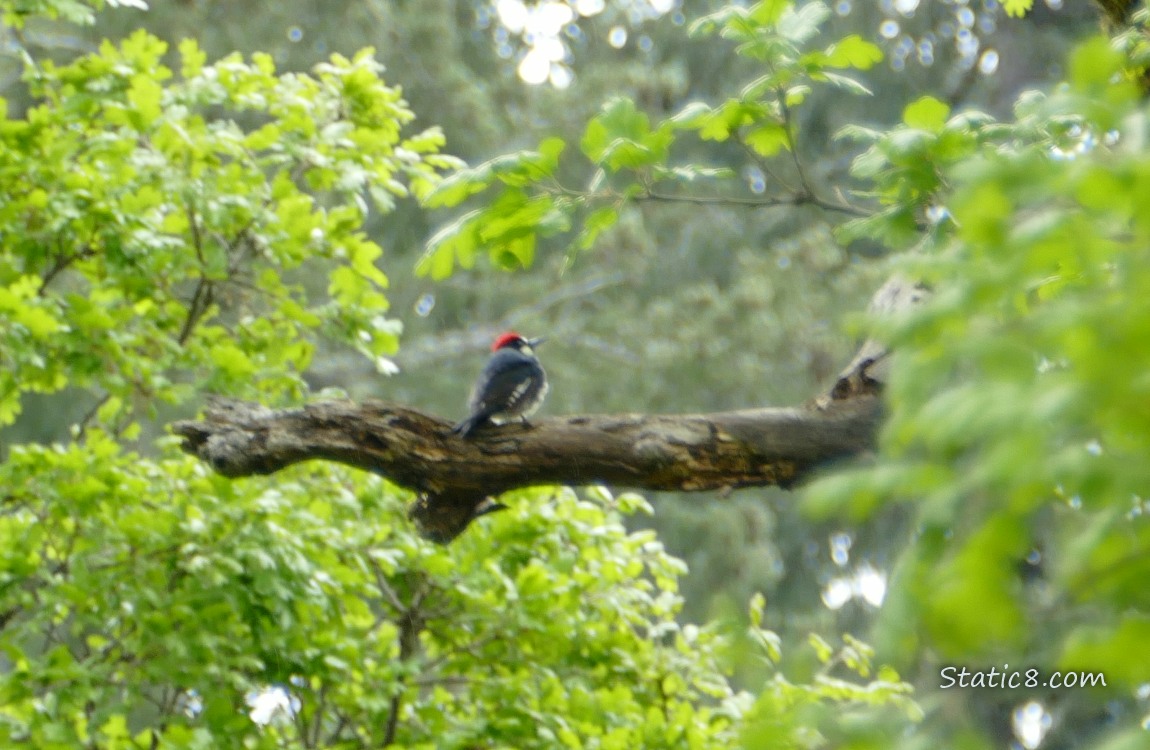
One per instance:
(467, 426)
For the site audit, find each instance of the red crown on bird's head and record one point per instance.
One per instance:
(506, 339)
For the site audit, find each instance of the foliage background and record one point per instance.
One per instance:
(246, 578)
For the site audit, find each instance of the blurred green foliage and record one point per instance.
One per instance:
(175, 226)
(1018, 426)
(628, 160)
(144, 599)
(147, 233)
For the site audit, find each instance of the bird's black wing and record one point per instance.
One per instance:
(509, 379)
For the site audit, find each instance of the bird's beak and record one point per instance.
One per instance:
(536, 342)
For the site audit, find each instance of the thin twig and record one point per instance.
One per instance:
(63, 261)
(792, 145)
(202, 299)
(194, 225)
(7, 616)
(410, 625)
(340, 725)
(436, 348)
(447, 679)
(85, 421)
(392, 719)
(798, 199)
(765, 165)
(719, 200)
(385, 588)
(317, 719)
(470, 648)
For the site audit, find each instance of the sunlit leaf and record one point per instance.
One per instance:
(853, 52)
(926, 113)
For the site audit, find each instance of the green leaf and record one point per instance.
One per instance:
(755, 609)
(926, 113)
(853, 52)
(619, 121)
(1017, 8)
(767, 140)
(728, 118)
(845, 83)
(796, 95)
(192, 58)
(624, 153)
(694, 172)
(1108, 650)
(459, 187)
(769, 12)
(267, 136)
(458, 240)
(550, 149)
(19, 301)
(1094, 63)
(823, 650)
(691, 116)
(517, 253)
(596, 222)
(802, 24)
(232, 360)
(144, 96)
(725, 17)
(513, 214)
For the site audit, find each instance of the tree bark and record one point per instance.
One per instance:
(457, 478)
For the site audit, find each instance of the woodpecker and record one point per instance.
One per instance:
(511, 386)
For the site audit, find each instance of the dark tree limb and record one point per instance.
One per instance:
(457, 478)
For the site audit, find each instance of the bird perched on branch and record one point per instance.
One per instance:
(511, 386)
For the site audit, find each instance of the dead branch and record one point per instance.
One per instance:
(458, 478)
